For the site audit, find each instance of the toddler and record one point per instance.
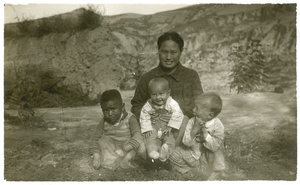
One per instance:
(203, 139)
(117, 137)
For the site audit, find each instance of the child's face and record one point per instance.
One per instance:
(159, 94)
(202, 111)
(112, 111)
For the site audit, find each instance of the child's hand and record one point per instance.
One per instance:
(120, 152)
(200, 122)
(196, 130)
(148, 134)
(96, 161)
(167, 131)
(204, 132)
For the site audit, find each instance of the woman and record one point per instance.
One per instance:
(185, 83)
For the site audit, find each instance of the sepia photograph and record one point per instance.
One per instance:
(133, 91)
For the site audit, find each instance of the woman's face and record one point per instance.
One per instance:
(169, 54)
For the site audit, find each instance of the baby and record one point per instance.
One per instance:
(158, 117)
(203, 139)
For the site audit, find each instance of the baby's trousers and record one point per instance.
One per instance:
(153, 143)
(109, 158)
(182, 159)
(159, 120)
(212, 161)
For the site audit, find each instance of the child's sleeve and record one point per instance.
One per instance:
(145, 118)
(98, 133)
(177, 114)
(187, 140)
(135, 130)
(214, 140)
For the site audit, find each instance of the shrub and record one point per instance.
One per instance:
(90, 18)
(134, 71)
(41, 87)
(44, 27)
(248, 71)
(25, 27)
(61, 25)
(254, 70)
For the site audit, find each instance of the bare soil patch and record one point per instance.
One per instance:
(261, 143)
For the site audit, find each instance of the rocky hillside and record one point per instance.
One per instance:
(114, 55)
(210, 33)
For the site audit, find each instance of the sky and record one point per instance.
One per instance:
(14, 11)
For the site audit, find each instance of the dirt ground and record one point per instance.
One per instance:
(260, 142)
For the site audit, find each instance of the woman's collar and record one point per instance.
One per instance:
(175, 74)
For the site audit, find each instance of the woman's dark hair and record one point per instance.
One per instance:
(174, 36)
(109, 95)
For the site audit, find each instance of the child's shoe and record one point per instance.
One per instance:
(97, 162)
(125, 164)
(164, 153)
(154, 155)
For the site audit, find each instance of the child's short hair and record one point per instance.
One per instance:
(212, 100)
(109, 95)
(159, 79)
